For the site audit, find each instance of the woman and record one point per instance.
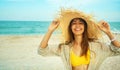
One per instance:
(81, 50)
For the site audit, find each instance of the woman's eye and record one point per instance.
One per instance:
(81, 23)
(73, 23)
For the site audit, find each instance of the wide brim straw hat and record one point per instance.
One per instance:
(66, 15)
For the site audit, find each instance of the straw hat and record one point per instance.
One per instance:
(66, 16)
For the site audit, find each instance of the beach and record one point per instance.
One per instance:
(19, 52)
(23, 24)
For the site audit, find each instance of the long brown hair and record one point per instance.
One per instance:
(84, 44)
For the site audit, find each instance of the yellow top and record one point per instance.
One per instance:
(79, 60)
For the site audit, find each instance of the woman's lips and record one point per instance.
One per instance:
(78, 29)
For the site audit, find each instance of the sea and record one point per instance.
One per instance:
(36, 27)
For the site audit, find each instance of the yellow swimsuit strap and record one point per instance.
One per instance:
(79, 60)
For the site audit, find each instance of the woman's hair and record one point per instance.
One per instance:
(84, 44)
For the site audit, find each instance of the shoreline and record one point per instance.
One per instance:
(55, 33)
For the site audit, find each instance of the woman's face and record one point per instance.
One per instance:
(77, 27)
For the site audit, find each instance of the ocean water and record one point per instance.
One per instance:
(23, 27)
(35, 27)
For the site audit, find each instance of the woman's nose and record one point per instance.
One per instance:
(77, 24)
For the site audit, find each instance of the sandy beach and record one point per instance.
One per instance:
(20, 53)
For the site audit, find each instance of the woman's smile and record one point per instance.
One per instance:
(78, 29)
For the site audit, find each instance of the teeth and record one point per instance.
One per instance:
(77, 29)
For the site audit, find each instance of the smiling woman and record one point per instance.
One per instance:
(23, 48)
(81, 41)
(77, 26)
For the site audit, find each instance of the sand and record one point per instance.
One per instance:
(19, 52)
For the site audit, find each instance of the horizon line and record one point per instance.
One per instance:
(43, 20)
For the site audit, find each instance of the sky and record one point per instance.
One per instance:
(46, 10)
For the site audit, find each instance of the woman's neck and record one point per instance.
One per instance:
(78, 40)
(77, 45)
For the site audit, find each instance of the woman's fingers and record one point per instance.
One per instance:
(104, 23)
(104, 26)
(53, 25)
(56, 22)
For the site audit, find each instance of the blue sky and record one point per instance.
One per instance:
(45, 10)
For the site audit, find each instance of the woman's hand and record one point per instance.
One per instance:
(53, 25)
(47, 36)
(104, 26)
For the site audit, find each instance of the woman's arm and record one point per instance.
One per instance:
(43, 49)
(104, 26)
(47, 36)
(113, 40)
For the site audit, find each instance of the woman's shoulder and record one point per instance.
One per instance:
(96, 43)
